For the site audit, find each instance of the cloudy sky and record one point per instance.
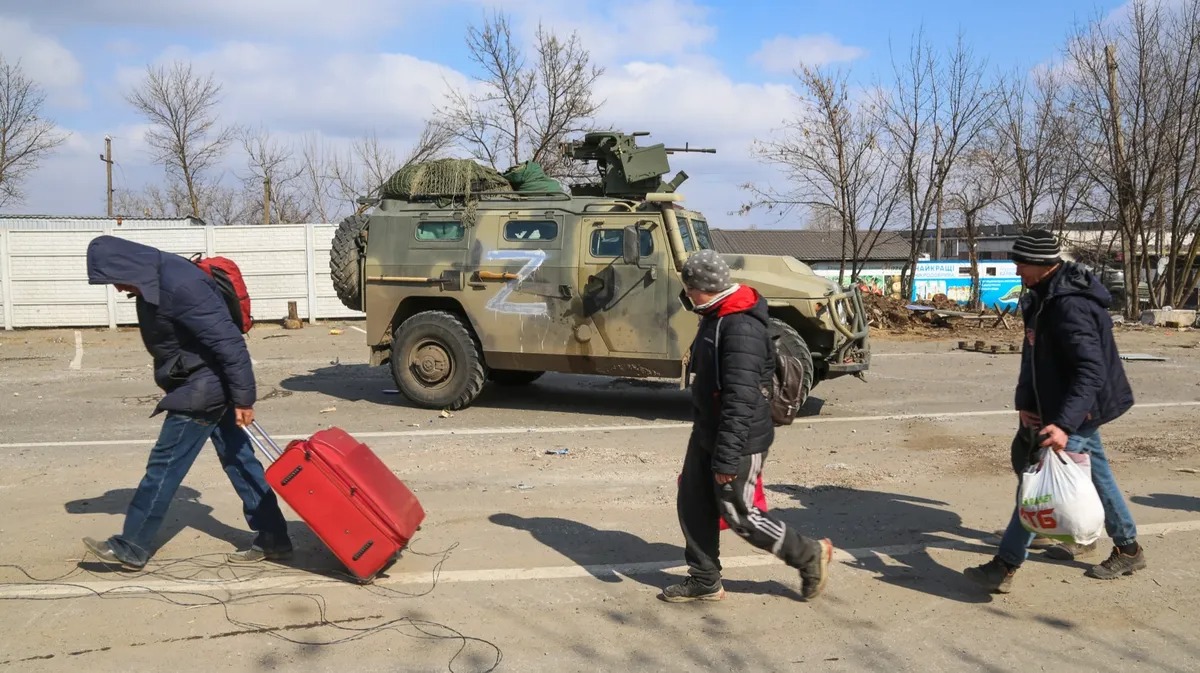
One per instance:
(715, 73)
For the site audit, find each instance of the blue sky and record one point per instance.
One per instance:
(715, 73)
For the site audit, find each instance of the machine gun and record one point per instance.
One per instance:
(626, 170)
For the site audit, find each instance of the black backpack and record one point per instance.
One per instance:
(787, 383)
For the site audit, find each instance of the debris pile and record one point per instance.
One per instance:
(887, 312)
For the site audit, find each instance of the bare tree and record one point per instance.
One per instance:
(275, 176)
(835, 165)
(1026, 130)
(974, 186)
(523, 111)
(25, 136)
(1136, 91)
(932, 115)
(180, 106)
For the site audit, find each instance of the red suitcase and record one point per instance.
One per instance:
(350, 499)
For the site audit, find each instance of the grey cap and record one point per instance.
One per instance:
(706, 271)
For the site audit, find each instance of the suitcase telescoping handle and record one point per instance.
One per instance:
(267, 445)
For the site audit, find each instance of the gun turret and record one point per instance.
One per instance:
(626, 170)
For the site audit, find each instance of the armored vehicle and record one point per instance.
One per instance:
(501, 285)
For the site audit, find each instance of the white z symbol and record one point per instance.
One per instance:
(533, 259)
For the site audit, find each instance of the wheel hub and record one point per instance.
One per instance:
(431, 363)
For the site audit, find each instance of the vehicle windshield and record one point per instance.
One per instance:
(685, 233)
(702, 236)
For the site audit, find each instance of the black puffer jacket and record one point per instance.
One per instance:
(1071, 373)
(732, 360)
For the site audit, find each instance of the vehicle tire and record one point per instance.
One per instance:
(346, 257)
(513, 377)
(436, 361)
(789, 342)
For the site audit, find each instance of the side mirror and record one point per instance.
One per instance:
(632, 242)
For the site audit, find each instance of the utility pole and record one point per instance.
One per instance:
(1124, 188)
(107, 159)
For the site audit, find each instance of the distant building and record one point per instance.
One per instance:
(57, 223)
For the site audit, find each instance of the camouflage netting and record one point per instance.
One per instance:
(444, 179)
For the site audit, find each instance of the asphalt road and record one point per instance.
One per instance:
(536, 560)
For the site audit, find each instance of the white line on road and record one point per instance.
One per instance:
(292, 580)
(358, 329)
(78, 361)
(558, 430)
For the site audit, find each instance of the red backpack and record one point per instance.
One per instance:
(229, 281)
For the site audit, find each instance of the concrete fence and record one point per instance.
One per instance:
(43, 273)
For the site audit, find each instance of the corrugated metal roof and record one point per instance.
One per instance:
(807, 246)
(57, 223)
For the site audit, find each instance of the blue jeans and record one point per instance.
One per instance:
(1118, 522)
(179, 442)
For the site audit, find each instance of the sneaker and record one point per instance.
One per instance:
(1118, 564)
(1069, 551)
(105, 553)
(692, 589)
(257, 554)
(994, 575)
(814, 575)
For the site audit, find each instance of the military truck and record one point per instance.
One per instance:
(505, 285)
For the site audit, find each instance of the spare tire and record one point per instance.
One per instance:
(346, 258)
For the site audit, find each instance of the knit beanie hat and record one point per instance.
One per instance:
(706, 271)
(1038, 248)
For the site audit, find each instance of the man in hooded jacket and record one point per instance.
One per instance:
(732, 430)
(1071, 382)
(203, 365)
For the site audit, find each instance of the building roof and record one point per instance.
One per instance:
(90, 223)
(807, 245)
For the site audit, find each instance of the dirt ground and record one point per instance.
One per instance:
(531, 559)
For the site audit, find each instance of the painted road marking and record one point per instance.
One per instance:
(358, 329)
(78, 361)
(134, 586)
(552, 430)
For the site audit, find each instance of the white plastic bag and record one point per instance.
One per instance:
(1058, 499)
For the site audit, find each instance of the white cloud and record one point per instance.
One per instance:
(783, 53)
(315, 18)
(704, 108)
(44, 60)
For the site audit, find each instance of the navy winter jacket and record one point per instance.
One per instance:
(1071, 372)
(733, 362)
(200, 357)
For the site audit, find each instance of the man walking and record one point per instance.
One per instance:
(731, 431)
(202, 364)
(1071, 383)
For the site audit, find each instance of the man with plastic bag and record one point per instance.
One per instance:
(1071, 383)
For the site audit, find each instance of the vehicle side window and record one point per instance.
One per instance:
(611, 243)
(440, 231)
(686, 234)
(530, 230)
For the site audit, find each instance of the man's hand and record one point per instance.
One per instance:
(723, 479)
(1030, 419)
(244, 416)
(1054, 437)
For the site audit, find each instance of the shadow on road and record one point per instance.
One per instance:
(600, 550)
(864, 520)
(187, 511)
(1183, 503)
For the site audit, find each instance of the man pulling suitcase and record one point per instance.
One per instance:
(202, 364)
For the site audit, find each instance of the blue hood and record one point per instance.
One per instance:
(112, 260)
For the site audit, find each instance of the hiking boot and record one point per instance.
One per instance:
(692, 589)
(256, 554)
(994, 575)
(105, 553)
(1069, 551)
(813, 575)
(1118, 564)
